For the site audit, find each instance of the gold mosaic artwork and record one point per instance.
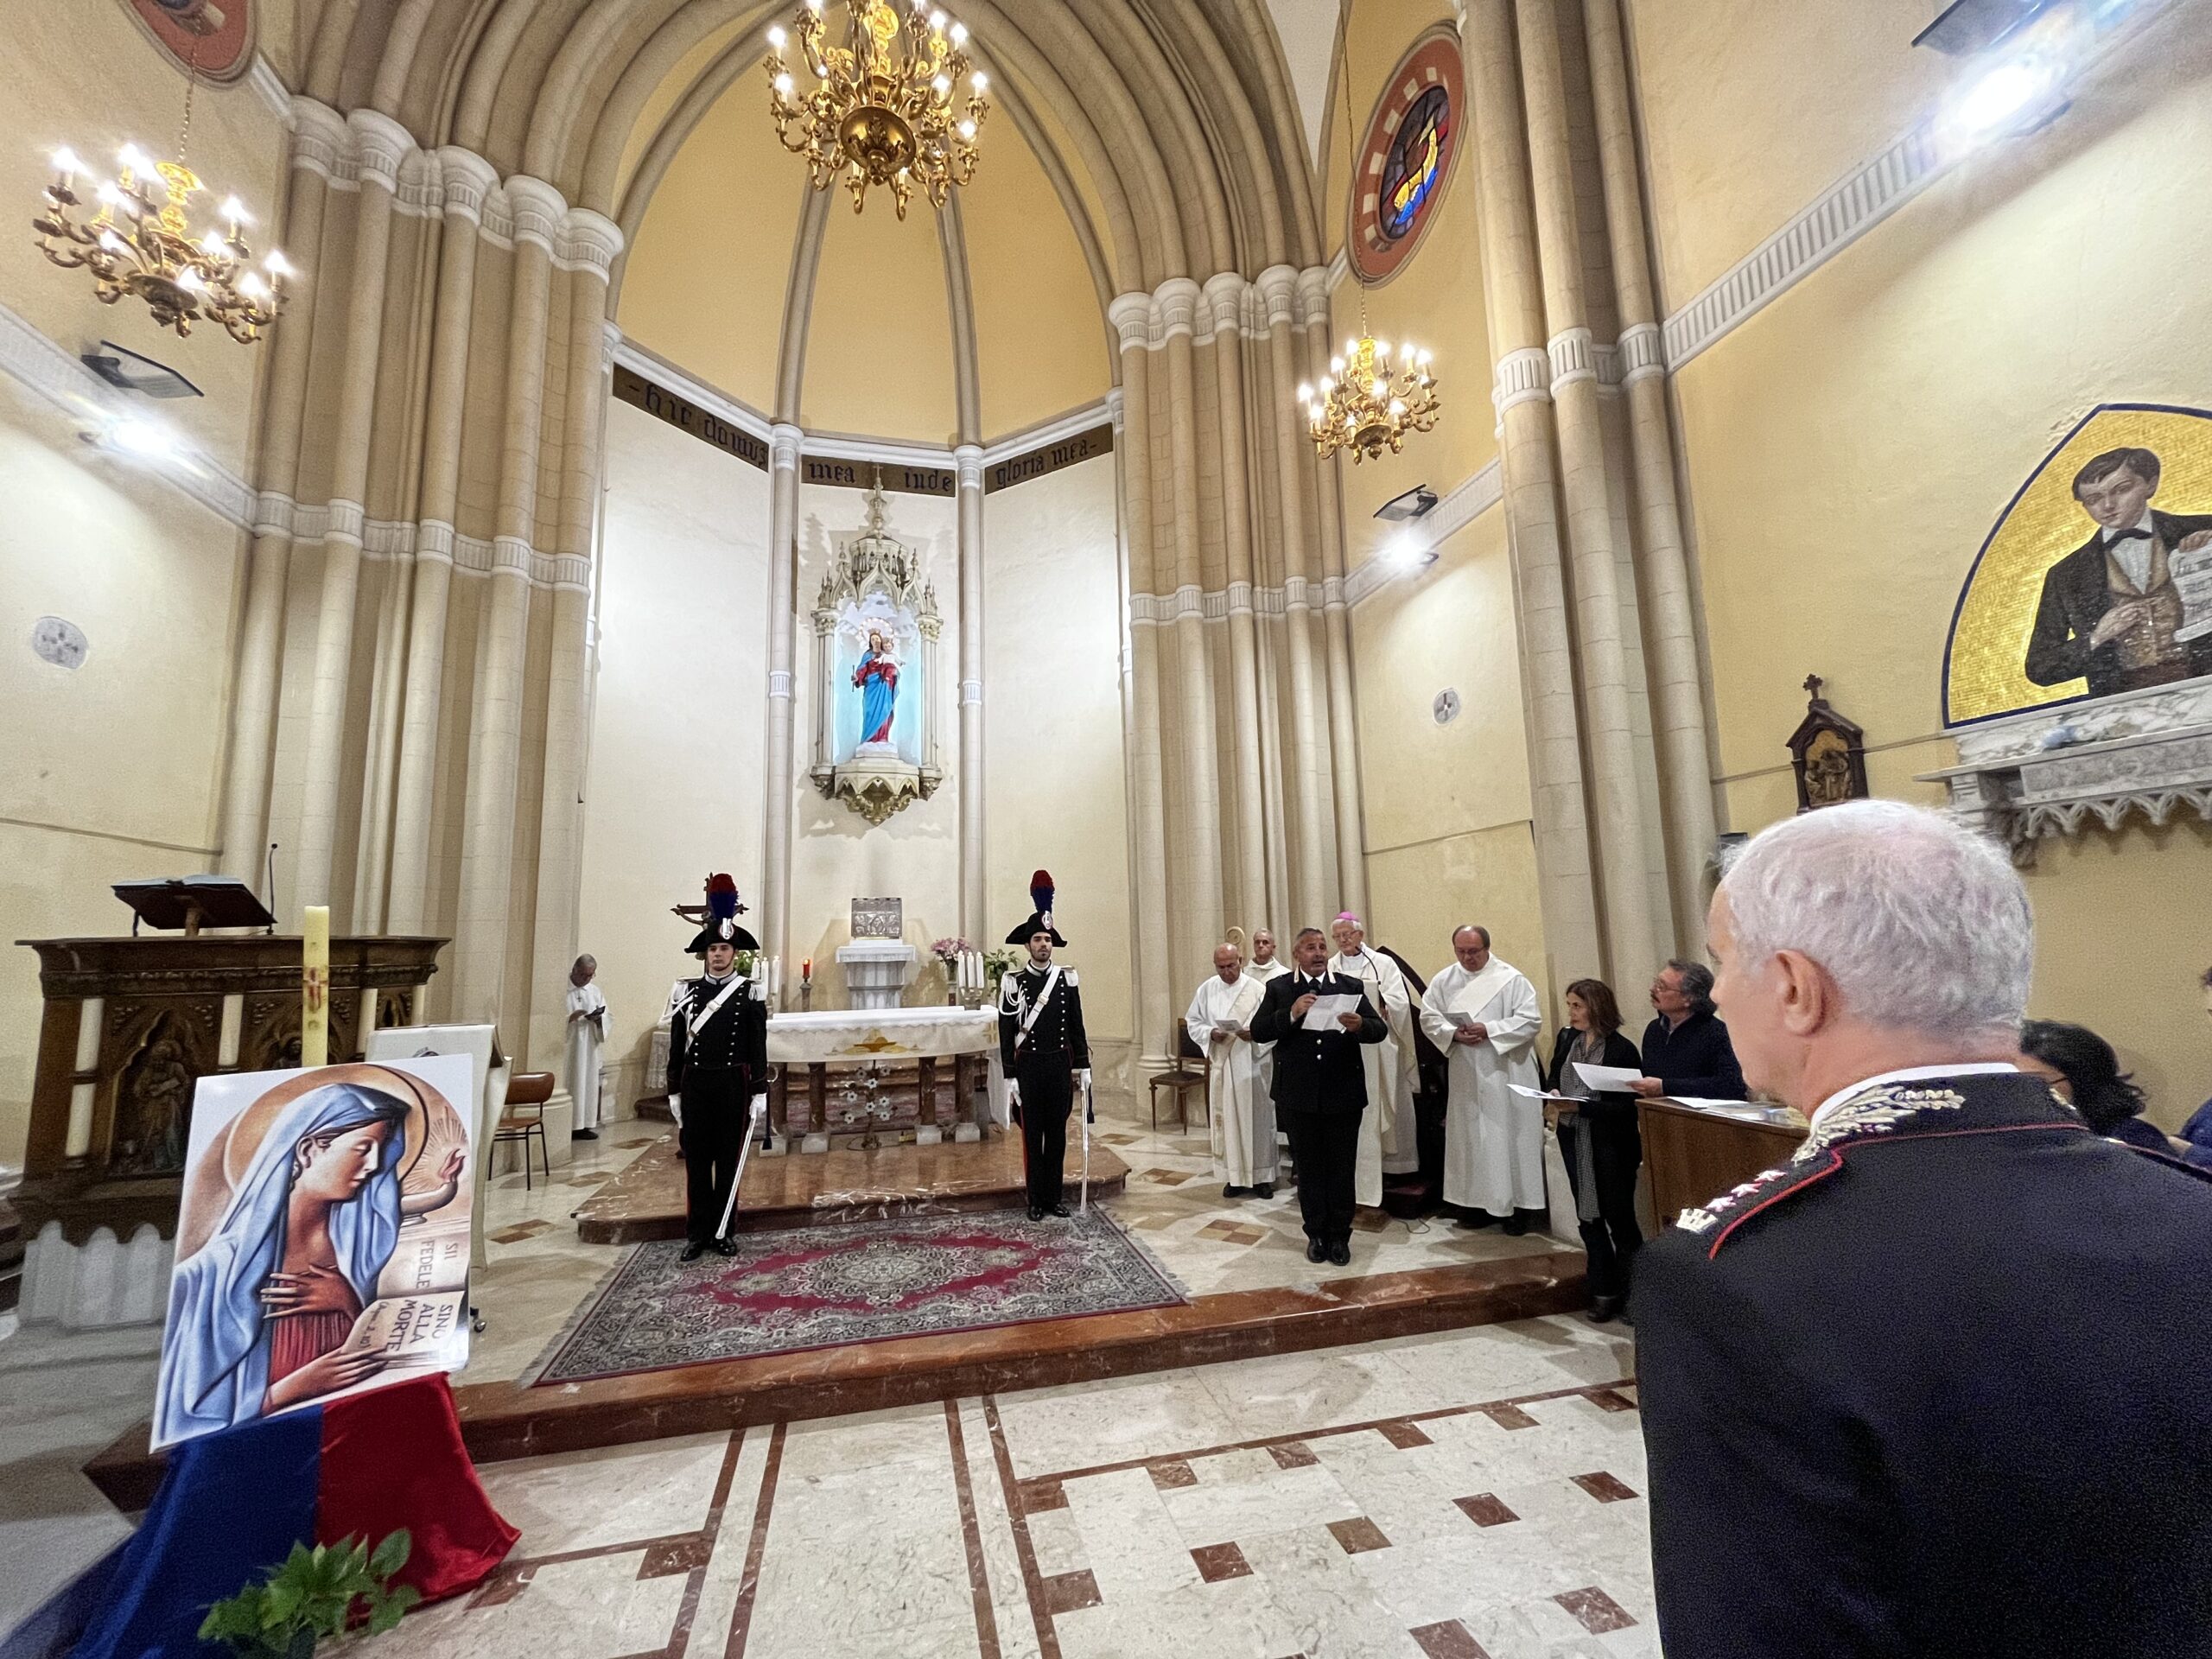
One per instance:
(1986, 673)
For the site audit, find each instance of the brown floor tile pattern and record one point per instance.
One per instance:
(1509, 1416)
(1610, 1400)
(1485, 1510)
(1594, 1610)
(1403, 1435)
(1607, 1488)
(1219, 1561)
(519, 1231)
(1358, 1536)
(672, 1555)
(1070, 1592)
(1450, 1640)
(1038, 1495)
(1171, 1473)
(1292, 1454)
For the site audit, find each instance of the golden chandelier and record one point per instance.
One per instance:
(881, 110)
(139, 245)
(1365, 404)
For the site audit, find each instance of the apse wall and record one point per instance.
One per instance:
(672, 791)
(1850, 445)
(114, 767)
(1053, 755)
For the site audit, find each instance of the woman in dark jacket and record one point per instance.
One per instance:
(2081, 1068)
(1598, 1139)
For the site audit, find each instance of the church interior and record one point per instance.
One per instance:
(1405, 468)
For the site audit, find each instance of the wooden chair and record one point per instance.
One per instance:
(524, 1116)
(1183, 1076)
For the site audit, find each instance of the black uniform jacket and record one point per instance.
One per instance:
(1614, 1108)
(1934, 1389)
(1317, 1071)
(1693, 1059)
(2077, 594)
(1058, 1029)
(730, 1050)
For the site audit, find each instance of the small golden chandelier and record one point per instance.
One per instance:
(1366, 403)
(138, 246)
(881, 111)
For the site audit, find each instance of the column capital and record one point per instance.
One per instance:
(1643, 352)
(1313, 296)
(1115, 404)
(319, 138)
(381, 146)
(969, 459)
(1178, 301)
(1278, 286)
(465, 179)
(539, 210)
(590, 241)
(783, 446)
(1523, 376)
(1131, 315)
(1572, 358)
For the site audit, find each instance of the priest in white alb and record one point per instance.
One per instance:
(1388, 1130)
(1244, 1116)
(1483, 1013)
(587, 1022)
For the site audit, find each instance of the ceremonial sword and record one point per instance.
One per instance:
(751, 1127)
(1083, 1204)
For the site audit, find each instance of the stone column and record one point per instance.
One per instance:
(1225, 297)
(1131, 314)
(1675, 672)
(1336, 619)
(495, 726)
(261, 641)
(1306, 766)
(593, 241)
(381, 144)
(774, 930)
(1523, 396)
(466, 179)
(975, 900)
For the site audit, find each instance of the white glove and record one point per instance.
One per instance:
(1013, 1092)
(676, 1110)
(760, 1105)
(1083, 1079)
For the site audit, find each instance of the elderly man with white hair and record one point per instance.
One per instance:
(1935, 1386)
(1243, 1117)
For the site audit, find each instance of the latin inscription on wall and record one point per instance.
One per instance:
(681, 412)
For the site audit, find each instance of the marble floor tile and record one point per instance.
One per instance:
(597, 1608)
(1222, 1512)
(1131, 1544)
(1079, 1424)
(618, 1495)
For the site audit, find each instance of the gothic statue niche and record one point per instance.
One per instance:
(875, 663)
(153, 1114)
(1827, 753)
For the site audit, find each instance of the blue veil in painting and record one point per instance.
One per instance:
(215, 1366)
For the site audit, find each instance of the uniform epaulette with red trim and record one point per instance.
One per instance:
(1717, 1218)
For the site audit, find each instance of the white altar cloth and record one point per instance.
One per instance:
(856, 1034)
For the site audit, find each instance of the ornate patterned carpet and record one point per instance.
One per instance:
(865, 1281)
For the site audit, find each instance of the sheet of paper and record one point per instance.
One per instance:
(1614, 1078)
(1322, 1016)
(1538, 1094)
(1227, 1027)
(1461, 1020)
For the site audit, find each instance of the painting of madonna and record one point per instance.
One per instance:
(296, 1206)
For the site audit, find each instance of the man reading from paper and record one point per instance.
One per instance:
(1387, 1134)
(1220, 1017)
(1483, 1013)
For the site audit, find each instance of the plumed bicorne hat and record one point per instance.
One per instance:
(721, 927)
(1040, 919)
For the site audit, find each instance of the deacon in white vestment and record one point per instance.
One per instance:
(588, 1023)
(1244, 1119)
(1493, 1138)
(1264, 966)
(1388, 1143)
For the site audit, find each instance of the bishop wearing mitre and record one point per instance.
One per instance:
(1388, 1143)
(1483, 1013)
(1244, 1116)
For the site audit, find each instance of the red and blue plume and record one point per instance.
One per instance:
(1040, 891)
(722, 899)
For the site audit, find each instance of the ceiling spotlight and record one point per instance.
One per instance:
(1416, 503)
(1408, 552)
(137, 436)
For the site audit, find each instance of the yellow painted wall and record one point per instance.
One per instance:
(1749, 109)
(1446, 808)
(1849, 447)
(1041, 344)
(677, 85)
(677, 723)
(114, 769)
(704, 285)
(878, 350)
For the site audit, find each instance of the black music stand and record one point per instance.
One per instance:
(192, 902)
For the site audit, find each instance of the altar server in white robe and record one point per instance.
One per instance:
(1262, 965)
(587, 1022)
(1220, 1016)
(1388, 1144)
(1493, 1138)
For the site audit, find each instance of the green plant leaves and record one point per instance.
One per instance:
(324, 1592)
